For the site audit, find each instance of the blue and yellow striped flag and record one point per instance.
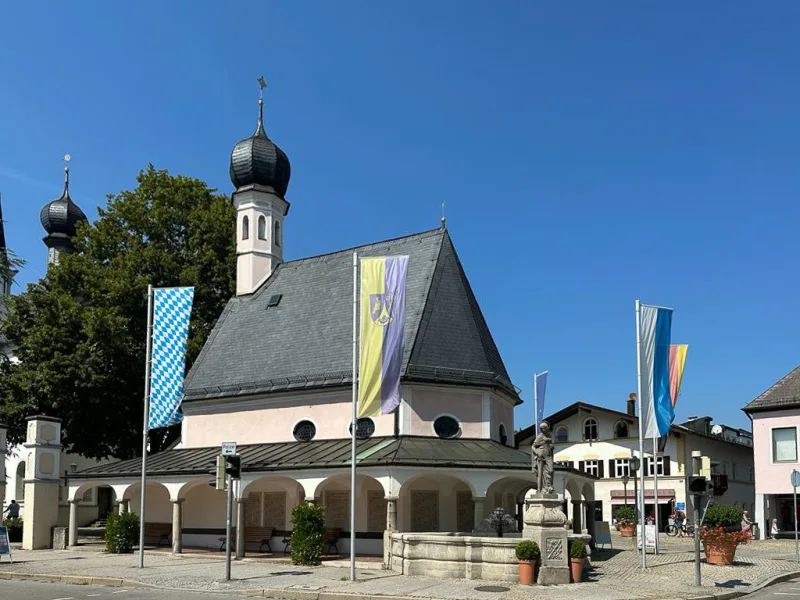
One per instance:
(383, 312)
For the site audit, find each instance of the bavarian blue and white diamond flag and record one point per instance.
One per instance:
(172, 309)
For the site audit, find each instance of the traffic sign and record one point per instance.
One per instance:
(681, 505)
(228, 449)
(795, 478)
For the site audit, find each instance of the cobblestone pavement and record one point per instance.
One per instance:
(616, 575)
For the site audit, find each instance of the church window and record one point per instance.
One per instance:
(562, 434)
(245, 228)
(621, 429)
(262, 228)
(277, 236)
(590, 429)
(502, 434)
(304, 431)
(365, 427)
(446, 427)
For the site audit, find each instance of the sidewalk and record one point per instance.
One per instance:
(616, 575)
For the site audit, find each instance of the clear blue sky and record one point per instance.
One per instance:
(589, 153)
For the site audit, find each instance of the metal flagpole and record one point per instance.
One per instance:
(146, 418)
(655, 487)
(353, 423)
(640, 500)
(535, 404)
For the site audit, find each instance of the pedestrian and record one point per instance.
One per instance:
(12, 510)
(746, 524)
(773, 533)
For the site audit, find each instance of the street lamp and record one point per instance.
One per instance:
(633, 464)
(625, 480)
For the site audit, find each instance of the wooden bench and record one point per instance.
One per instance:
(233, 540)
(331, 539)
(252, 535)
(161, 531)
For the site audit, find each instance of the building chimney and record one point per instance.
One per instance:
(632, 405)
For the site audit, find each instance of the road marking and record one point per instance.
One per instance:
(784, 594)
(120, 591)
(62, 598)
(93, 595)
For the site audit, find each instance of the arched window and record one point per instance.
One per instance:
(262, 228)
(446, 427)
(562, 434)
(502, 434)
(304, 431)
(590, 429)
(277, 236)
(621, 429)
(245, 228)
(19, 488)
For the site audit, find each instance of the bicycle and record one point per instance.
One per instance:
(672, 530)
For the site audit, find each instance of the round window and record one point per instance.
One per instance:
(446, 427)
(304, 431)
(502, 434)
(364, 428)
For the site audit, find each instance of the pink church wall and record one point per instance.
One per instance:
(429, 403)
(772, 478)
(502, 412)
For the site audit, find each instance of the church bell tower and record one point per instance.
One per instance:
(260, 172)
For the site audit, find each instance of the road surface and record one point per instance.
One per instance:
(32, 590)
(781, 591)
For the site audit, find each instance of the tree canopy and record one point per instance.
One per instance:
(80, 332)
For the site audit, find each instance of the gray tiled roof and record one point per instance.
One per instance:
(306, 340)
(282, 456)
(783, 394)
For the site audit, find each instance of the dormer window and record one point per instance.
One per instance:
(621, 429)
(590, 429)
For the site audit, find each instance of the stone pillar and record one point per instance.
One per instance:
(240, 528)
(42, 482)
(478, 501)
(73, 521)
(544, 524)
(177, 526)
(761, 517)
(590, 507)
(391, 527)
(576, 516)
(3, 445)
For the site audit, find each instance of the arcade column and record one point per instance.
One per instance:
(43, 441)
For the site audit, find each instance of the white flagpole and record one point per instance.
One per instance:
(640, 500)
(655, 487)
(353, 423)
(145, 423)
(535, 404)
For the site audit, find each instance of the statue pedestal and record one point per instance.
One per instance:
(544, 524)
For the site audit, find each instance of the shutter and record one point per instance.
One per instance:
(666, 466)
(646, 466)
(581, 466)
(572, 464)
(600, 468)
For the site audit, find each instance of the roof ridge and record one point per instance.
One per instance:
(773, 386)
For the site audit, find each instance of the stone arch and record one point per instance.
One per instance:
(268, 501)
(334, 496)
(158, 505)
(434, 501)
(19, 481)
(587, 492)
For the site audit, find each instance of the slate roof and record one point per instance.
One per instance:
(783, 394)
(305, 341)
(283, 456)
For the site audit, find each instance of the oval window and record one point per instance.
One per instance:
(446, 427)
(304, 431)
(365, 427)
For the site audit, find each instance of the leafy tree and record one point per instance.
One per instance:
(79, 333)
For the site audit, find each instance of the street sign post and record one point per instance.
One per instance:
(228, 449)
(795, 485)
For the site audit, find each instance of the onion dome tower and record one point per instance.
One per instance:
(260, 172)
(59, 218)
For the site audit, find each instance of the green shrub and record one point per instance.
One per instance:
(625, 514)
(14, 525)
(122, 533)
(577, 549)
(308, 531)
(723, 515)
(528, 550)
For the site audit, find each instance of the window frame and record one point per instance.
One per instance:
(350, 425)
(622, 467)
(245, 228)
(502, 432)
(659, 462)
(596, 466)
(276, 233)
(261, 228)
(773, 447)
(627, 428)
(555, 435)
(451, 416)
(303, 420)
(596, 430)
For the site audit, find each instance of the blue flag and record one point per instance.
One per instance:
(541, 389)
(172, 309)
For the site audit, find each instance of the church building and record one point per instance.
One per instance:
(275, 377)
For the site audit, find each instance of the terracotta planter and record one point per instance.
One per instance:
(576, 569)
(627, 530)
(719, 553)
(527, 569)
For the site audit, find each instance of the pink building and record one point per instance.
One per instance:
(776, 419)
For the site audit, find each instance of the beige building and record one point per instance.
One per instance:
(600, 441)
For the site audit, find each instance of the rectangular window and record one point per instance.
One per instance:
(591, 467)
(659, 462)
(784, 444)
(622, 467)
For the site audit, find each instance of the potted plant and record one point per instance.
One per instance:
(722, 533)
(527, 555)
(577, 554)
(626, 521)
(14, 525)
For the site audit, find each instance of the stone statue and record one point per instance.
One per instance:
(542, 455)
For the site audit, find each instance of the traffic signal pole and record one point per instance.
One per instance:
(697, 466)
(229, 515)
